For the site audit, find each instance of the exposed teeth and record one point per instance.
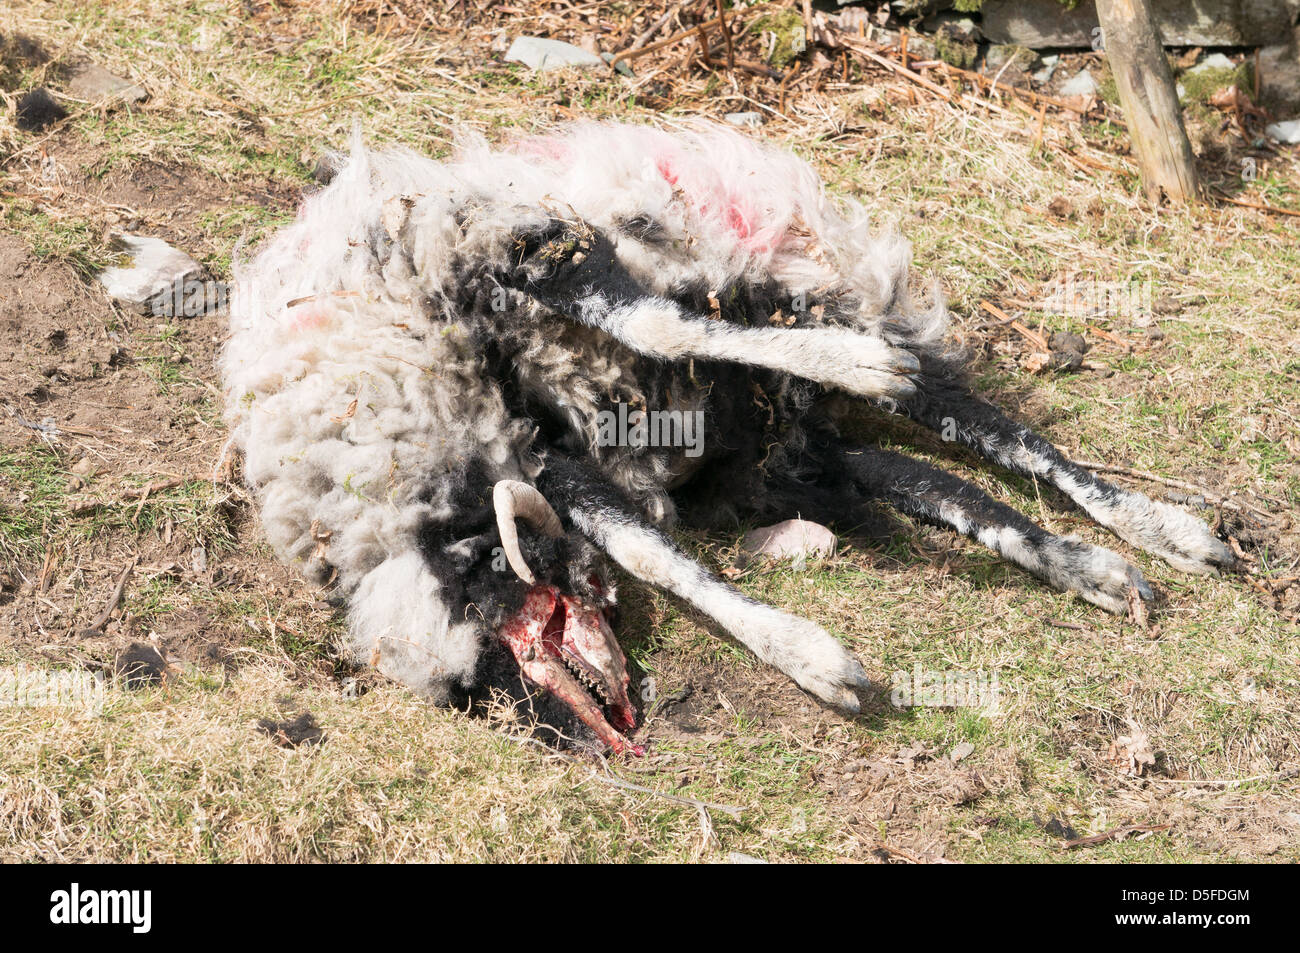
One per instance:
(592, 686)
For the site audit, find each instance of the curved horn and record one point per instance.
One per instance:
(515, 500)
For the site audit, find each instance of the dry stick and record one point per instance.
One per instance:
(954, 98)
(628, 55)
(82, 507)
(1114, 834)
(1038, 128)
(1258, 207)
(1284, 775)
(319, 106)
(702, 39)
(1036, 98)
(659, 24)
(1085, 162)
(726, 34)
(114, 599)
(1097, 467)
(790, 73)
(1032, 336)
(1062, 624)
(899, 852)
(615, 781)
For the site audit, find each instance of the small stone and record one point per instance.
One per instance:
(1050, 63)
(749, 120)
(90, 81)
(962, 751)
(1285, 132)
(621, 67)
(1080, 84)
(543, 54)
(1279, 78)
(1215, 61)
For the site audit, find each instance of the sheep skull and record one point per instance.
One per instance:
(566, 647)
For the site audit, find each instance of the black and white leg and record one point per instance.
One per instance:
(575, 273)
(936, 496)
(1176, 536)
(801, 649)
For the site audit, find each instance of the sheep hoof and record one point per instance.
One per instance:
(861, 364)
(1104, 578)
(826, 670)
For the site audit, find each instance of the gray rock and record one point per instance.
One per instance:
(1212, 62)
(1011, 57)
(89, 81)
(1080, 84)
(152, 270)
(745, 120)
(1042, 24)
(542, 54)
(1050, 63)
(1288, 132)
(1279, 78)
(620, 67)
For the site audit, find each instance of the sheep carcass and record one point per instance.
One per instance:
(424, 368)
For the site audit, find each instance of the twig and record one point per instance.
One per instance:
(1117, 833)
(1284, 775)
(726, 34)
(1062, 624)
(1030, 335)
(615, 781)
(1259, 207)
(1097, 467)
(141, 493)
(956, 99)
(628, 55)
(898, 852)
(116, 597)
(658, 25)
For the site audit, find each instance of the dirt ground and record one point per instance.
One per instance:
(116, 492)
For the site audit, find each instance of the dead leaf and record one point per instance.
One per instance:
(1137, 609)
(1060, 207)
(322, 538)
(1037, 362)
(1132, 753)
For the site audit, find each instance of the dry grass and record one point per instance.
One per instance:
(239, 109)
